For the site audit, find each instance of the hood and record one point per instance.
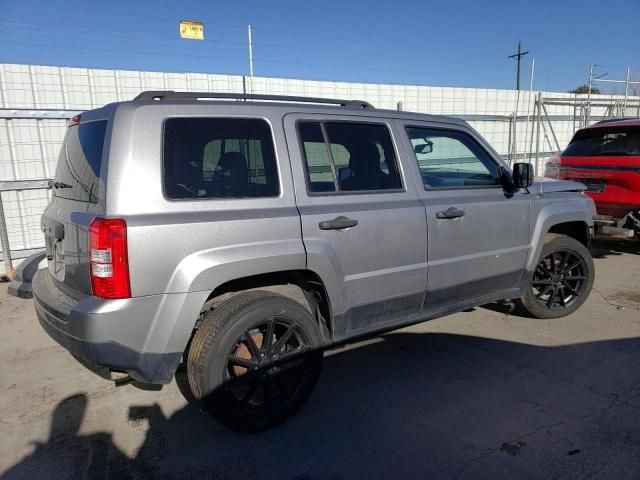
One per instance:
(548, 185)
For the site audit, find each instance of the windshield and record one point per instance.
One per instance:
(605, 142)
(79, 163)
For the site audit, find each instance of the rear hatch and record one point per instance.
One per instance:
(78, 196)
(607, 160)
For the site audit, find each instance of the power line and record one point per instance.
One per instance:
(306, 33)
(291, 32)
(73, 33)
(262, 61)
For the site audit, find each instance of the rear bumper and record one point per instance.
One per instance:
(117, 334)
(628, 226)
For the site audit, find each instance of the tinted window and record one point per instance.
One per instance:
(219, 158)
(600, 141)
(343, 156)
(450, 159)
(80, 161)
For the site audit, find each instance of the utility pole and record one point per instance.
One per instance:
(587, 113)
(626, 91)
(514, 147)
(590, 87)
(518, 55)
(250, 58)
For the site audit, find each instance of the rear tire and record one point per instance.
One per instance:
(562, 280)
(255, 360)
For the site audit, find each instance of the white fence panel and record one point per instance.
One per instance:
(29, 147)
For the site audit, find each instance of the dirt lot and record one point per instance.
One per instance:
(479, 394)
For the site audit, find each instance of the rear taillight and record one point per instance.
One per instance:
(552, 167)
(108, 258)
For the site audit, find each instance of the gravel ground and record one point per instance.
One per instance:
(479, 394)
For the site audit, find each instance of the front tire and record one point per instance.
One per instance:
(255, 360)
(562, 280)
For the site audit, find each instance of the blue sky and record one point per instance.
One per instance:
(446, 43)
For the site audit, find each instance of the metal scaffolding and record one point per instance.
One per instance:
(545, 124)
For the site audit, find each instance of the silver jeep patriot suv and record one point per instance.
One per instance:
(245, 234)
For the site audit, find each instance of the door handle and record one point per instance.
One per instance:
(337, 223)
(449, 213)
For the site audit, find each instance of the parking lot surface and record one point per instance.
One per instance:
(479, 394)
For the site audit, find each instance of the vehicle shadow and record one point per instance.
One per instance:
(67, 454)
(410, 405)
(415, 405)
(602, 247)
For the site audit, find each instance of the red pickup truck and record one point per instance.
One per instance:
(606, 158)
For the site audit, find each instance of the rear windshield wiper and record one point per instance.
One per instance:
(59, 184)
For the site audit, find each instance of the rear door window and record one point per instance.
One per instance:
(80, 161)
(602, 141)
(347, 156)
(219, 158)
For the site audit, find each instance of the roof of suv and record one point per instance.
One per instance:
(618, 122)
(284, 102)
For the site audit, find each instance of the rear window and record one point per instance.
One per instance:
(595, 142)
(219, 158)
(78, 169)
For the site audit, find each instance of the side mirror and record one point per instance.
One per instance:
(522, 175)
(426, 147)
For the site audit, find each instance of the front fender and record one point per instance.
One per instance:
(554, 209)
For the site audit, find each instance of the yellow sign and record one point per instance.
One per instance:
(192, 30)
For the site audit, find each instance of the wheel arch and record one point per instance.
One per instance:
(578, 230)
(304, 286)
(572, 218)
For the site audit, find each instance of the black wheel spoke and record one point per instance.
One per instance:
(542, 269)
(546, 290)
(563, 263)
(291, 355)
(283, 339)
(552, 296)
(572, 290)
(575, 277)
(573, 265)
(268, 340)
(251, 345)
(561, 296)
(242, 362)
(542, 282)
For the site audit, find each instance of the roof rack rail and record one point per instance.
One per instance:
(171, 95)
